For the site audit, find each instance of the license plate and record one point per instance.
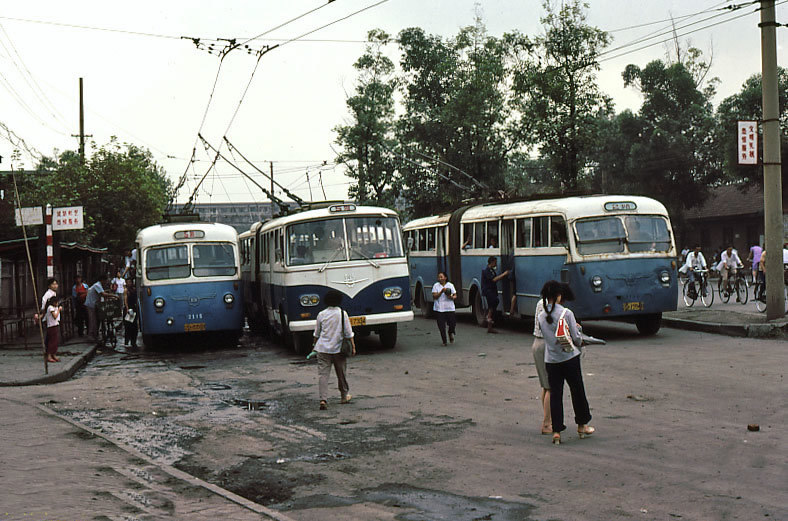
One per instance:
(633, 306)
(198, 326)
(358, 321)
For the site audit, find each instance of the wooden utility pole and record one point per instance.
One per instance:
(81, 134)
(772, 175)
(271, 164)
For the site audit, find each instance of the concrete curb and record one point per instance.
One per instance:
(172, 471)
(765, 330)
(56, 377)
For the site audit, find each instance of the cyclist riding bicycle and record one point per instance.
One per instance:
(729, 264)
(695, 261)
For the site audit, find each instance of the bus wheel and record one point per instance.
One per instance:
(388, 336)
(478, 312)
(649, 324)
(302, 342)
(424, 306)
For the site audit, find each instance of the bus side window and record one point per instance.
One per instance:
(558, 231)
(467, 236)
(430, 238)
(541, 229)
(524, 233)
(492, 234)
(422, 242)
(479, 233)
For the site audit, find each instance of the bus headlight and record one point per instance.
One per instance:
(596, 283)
(309, 300)
(392, 293)
(158, 303)
(229, 298)
(664, 277)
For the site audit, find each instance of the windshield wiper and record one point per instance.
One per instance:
(331, 259)
(352, 249)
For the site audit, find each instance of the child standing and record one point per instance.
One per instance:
(53, 328)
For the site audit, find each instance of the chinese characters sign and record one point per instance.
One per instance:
(747, 143)
(69, 218)
(30, 216)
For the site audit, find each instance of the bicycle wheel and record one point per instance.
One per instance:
(706, 294)
(760, 298)
(742, 291)
(724, 291)
(689, 293)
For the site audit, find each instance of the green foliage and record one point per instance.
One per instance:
(560, 93)
(368, 141)
(120, 187)
(748, 105)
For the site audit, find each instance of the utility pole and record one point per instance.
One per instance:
(772, 180)
(81, 135)
(271, 164)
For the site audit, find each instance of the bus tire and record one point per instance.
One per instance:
(423, 305)
(478, 312)
(302, 342)
(388, 336)
(648, 325)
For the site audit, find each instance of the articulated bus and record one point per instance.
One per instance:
(290, 263)
(617, 253)
(188, 281)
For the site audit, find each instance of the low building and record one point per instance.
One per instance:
(238, 215)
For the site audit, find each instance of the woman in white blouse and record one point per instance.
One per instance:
(332, 326)
(443, 295)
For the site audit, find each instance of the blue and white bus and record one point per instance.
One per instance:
(617, 253)
(289, 264)
(189, 281)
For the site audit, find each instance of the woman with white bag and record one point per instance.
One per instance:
(562, 358)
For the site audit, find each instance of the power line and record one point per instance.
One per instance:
(302, 15)
(667, 20)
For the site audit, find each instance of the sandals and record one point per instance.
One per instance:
(585, 431)
(346, 398)
(556, 438)
(323, 405)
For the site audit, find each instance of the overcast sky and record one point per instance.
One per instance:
(152, 90)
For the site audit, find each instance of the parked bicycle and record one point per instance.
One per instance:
(739, 287)
(698, 288)
(759, 293)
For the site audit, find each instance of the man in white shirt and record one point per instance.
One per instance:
(729, 262)
(95, 294)
(695, 261)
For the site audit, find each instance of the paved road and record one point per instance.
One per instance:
(452, 433)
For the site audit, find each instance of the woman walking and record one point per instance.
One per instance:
(332, 326)
(131, 315)
(444, 294)
(538, 351)
(563, 361)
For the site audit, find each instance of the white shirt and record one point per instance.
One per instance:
(539, 310)
(121, 282)
(48, 295)
(443, 303)
(94, 295)
(730, 261)
(51, 320)
(694, 261)
(330, 329)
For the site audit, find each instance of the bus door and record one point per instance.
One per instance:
(440, 249)
(508, 285)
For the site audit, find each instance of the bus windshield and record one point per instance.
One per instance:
(213, 260)
(605, 235)
(373, 237)
(641, 233)
(168, 262)
(647, 233)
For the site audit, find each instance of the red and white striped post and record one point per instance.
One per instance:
(50, 242)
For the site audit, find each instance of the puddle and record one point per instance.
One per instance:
(193, 367)
(423, 504)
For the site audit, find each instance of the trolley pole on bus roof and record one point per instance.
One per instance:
(772, 180)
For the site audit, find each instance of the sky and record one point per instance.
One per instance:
(146, 82)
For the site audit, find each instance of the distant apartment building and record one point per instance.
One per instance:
(238, 215)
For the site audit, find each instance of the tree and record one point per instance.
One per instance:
(560, 93)
(120, 187)
(455, 131)
(368, 141)
(748, 105)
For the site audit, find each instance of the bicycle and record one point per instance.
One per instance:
(109, 312)
(739, 286)
(698, 287)
(759, 294)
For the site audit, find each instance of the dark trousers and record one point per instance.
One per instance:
(570, 372)
(80, 317)
(444, 318)
(52, 339)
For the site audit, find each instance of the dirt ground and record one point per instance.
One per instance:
(452, 433)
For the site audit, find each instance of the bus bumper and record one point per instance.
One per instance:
(369, 320)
